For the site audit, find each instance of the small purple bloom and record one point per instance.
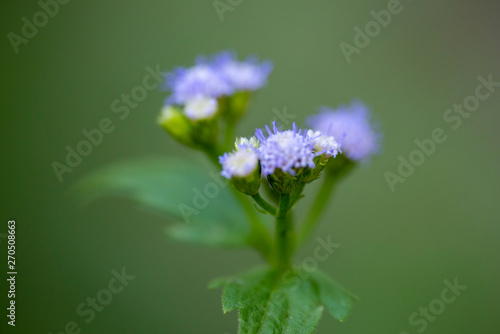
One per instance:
(285, 150)
(245, 75)
(220, 75)
(361, 139)
(201, 80)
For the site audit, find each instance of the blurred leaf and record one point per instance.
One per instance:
(289, 304)
(337, 300)
(197, 198)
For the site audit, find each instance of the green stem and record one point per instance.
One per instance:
(317, 207)
(261, 238)
(272, 194)
(264, 204)
(296, 194)
(284, 230)
(335, 170)
(229, 133)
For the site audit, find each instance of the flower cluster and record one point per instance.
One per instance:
(286, 157)
(201, 80)
(249, 75)
(352, 123)
(202, 111)
(287, 150)
(215, 77)
(210, 95)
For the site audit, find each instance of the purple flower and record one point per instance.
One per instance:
(361, 140)
(201, 80)
(285, 150)
(214, 77)
(242, 75)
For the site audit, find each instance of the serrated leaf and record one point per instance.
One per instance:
(337, 300)
(169, 187)
(272, 303)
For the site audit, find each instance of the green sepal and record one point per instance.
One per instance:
(283, 182)
(177, 125)
(248, 185)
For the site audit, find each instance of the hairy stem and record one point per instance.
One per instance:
(334, 171)
(264, 204)
(284, 232)
(296, 194)
(317, 207)
(261, 238)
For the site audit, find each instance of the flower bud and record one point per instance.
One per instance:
(243, 169)
(245, 143)
(248, 185)
(201, 108)
(326, 148)
(176, 124)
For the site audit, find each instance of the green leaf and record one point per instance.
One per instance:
(337, 300)
(272, 303)
(196, 198)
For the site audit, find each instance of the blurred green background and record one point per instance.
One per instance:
(396, 247)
